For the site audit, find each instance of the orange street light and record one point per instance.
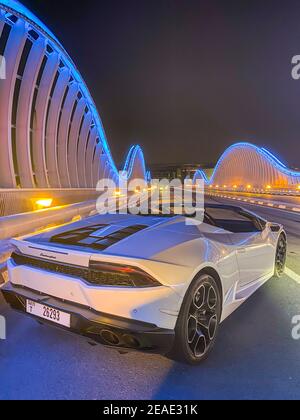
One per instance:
(117, 193)
(44, 203)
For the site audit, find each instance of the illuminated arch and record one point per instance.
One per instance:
(200, 175)
(148, 176)
(135, 167)
(245, 164)
(50, 131)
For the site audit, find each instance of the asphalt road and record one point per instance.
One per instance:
(255, 356)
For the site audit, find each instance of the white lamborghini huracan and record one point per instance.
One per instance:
(150, 284)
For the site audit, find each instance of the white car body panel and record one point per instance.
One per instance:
(169, 250)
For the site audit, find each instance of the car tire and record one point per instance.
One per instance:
(280, 258)
(198, 321)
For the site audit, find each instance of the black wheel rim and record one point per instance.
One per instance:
(281, 256)
(203, 319)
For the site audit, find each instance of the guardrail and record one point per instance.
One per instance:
(279, 192)
(17, 201)
(26, 223)
(21, 224)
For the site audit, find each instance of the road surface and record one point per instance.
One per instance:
(255, 356)
(273, 198)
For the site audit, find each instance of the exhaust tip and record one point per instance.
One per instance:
(110, 338)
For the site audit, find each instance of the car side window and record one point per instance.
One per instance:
(234, 221)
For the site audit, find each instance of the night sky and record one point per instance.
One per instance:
(186, 78)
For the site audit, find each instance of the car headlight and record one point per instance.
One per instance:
(108, 274)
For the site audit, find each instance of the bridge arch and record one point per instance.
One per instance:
(244, 164)
(48, 120)
(135, 167)
(200, 175)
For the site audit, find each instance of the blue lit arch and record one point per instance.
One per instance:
(64, 92)
(245, 164)
(200, 175)
(135, 166)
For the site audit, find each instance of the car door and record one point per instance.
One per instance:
(251, 239)
(254, 248)
(255, 255)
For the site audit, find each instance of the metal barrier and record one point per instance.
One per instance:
(26, 223)
(21, 224)
(24, 200)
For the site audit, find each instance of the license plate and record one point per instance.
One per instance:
(50, 314)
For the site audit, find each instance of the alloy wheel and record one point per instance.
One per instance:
(281, 255)
(203, 319)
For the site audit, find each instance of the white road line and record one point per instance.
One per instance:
(265, 204)
(292, 275)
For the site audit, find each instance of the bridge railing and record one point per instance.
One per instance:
(27, 223)
(17, 201)
(21, 224)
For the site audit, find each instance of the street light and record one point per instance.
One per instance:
(117, 193)
(44, 203)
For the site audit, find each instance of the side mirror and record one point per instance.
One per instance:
(273, 227)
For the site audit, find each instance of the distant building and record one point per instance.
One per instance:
(178, 171)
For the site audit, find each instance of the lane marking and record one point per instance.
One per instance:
(294, 276)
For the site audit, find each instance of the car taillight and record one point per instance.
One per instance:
(120, 275)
